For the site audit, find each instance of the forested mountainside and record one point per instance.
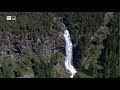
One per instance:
(33, 45)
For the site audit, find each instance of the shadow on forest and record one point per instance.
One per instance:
(77, 56)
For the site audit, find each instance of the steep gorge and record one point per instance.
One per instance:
(35, 43)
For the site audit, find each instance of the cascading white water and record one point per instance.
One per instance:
(68, 57)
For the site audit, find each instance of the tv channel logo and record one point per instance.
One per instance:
(10, 17)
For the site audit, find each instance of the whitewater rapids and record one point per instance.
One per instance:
(68, 57)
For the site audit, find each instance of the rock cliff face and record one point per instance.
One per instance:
(28, 43)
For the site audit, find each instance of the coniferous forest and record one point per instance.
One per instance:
(33, 45)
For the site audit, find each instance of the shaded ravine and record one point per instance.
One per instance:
(69, 57)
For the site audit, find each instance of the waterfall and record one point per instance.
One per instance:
(68, 57)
